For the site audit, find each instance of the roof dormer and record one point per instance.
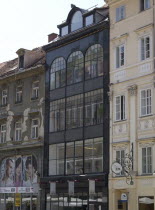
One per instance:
(21, 53)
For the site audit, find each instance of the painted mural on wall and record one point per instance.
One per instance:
(19, 171)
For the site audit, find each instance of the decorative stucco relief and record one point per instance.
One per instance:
(147, 124)
(120, 129)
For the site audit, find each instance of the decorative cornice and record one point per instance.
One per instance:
(132, 90)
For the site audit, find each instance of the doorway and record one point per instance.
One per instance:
(146, 203)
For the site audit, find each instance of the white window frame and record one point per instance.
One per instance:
(120, 13)
(118, 56)
(4, 97)
(143, 51)
(144, 4)
(18, 131)
(19, 94)
(35, 128)
(3, 133)
(147, 172)
(35, 90)
(120, 108)
(146, 101)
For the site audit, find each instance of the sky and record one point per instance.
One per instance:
(26, 23)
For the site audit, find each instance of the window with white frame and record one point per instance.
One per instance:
(19, 92)
(145, 4)
(146, 102)
(3, 133)
(120, 108)
(120, 13)
(34, 132)
(120, 59)
(145, 47)
(4, 97)
(147, 160)
(35, 90)
(18, 131)
(120, 155)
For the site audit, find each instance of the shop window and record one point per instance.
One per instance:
(35, 90)
(57, 115)
(94, 107)
(18, 131)
(93, 150)
(4, 97)
(58, 73)
(77, 21)
(19, 94)
(3, 133)
(75, 67)
(56, 159)
(120, 108)
(94, 61)
(74, 111)
(34, 129)
(146, 102)
(147, 160)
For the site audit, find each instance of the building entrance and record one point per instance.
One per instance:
(146, 203)
(18, 202)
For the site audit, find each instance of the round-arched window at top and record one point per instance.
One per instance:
(58, 72)
(94, 61)
(75, 66)
(77, 21)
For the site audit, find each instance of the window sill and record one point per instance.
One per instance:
(149, 174)
(144, 116)
(33, 99)
(18, 102)
(117, 21)
(144, 10)
(119, 121)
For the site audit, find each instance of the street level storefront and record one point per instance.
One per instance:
(86, 192)
(18, 176)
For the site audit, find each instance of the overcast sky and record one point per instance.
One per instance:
(26, 23)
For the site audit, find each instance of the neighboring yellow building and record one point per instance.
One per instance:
(132, 102)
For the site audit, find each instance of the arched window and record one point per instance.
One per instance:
(77, 21)
(94, 61)
(75, 67)
(58, 71)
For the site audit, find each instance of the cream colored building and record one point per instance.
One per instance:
(132, 102)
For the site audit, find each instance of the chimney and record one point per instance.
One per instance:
(52, 36)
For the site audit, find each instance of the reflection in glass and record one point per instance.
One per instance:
(77, 21)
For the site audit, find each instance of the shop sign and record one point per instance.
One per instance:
(53, 188)
(116, 168)
(91, 187)
(17, 199)
(70, 187)
(124, 197)
(16, 190)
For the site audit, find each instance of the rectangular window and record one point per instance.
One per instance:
(120, 155)
(21, 62)
(18, 131)
(34, 131)
(35, 90)
(57, 115)
(74, 111)
(120, 13)
(145, 4)
(56, 159)
(146, 102)
(89, 20)
(147, 160)
(120, 107)
(94, 107)
(120, 56)
(3, 133)
(93, 150)
(19, 93)
(4, 97)
(145, 48)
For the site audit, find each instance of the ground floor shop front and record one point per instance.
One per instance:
(139, 196)
(18, 201)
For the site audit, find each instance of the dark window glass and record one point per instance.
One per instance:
(94, 62)
(74, 111)
(94, 107)
(93, 155)
(21, 61)
(75, 66)
(58, 71)
(57, 115)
